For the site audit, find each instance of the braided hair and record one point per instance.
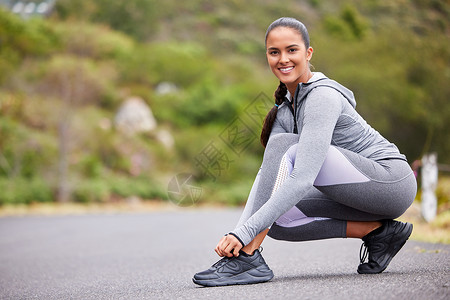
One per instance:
(279, 95)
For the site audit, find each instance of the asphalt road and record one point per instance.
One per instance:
(154, 255)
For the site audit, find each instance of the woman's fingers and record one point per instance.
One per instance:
(218, 251)
(228, 246)
(228, 250)
(220, 246)
(236, 249)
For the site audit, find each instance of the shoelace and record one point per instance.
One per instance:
(224, 260)
(363, 253)
(221, 262)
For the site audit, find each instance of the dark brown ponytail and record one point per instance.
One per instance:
(279, 94)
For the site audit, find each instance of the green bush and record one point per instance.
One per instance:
(228, 194)
(24, 152)
(78, 81)
(210, 102)
(105, 188)
(20, 39)
(24, 191)
(142, 187)
(133, 17)
(91, 191)
(34, 37)
(91, 166)
(349, 25)
(93, 41)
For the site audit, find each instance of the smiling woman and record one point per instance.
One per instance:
(325, 174)
(288, 56)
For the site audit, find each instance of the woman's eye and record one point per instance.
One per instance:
(273, 52)
(292, 50)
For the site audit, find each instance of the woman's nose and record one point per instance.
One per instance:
(284, 58)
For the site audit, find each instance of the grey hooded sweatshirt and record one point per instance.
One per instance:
(324, 114)
(350, 132)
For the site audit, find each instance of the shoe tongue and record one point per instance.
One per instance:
(244, 254)
(373, 233)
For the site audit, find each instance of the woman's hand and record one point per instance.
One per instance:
(228, 246)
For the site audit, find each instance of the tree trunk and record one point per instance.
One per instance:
(63, 189)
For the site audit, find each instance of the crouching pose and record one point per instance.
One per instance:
(325, 173)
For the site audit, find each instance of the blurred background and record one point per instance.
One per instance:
(140, 100)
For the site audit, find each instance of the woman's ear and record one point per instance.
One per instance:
(309, 53)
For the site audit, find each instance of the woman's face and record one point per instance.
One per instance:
(288, 57)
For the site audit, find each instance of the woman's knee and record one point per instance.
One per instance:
(277, 232)
(402, 196)
(279, 144)
(405, 199)
(282, 140)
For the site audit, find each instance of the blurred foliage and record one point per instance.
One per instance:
(94, 41)
(20, 40)
(24, 191)
(349, 24)
(79, 80)
(134, 17)
(77, 66)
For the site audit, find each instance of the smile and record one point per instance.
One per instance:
(285, 70)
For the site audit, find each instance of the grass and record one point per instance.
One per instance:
(437, 231)
(129, 205)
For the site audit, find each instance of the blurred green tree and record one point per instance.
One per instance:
(75, 81)
(137, 18)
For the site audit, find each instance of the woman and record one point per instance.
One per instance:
(325, 174)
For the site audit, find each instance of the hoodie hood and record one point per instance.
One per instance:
(319, 79)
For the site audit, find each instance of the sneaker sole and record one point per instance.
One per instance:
(252, 276)
(405, 236)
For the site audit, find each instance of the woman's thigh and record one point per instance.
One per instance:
(356, 188)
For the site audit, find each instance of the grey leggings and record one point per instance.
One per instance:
(349, 187)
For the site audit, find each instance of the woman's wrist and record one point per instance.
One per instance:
(238, 238)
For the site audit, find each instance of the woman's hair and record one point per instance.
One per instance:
(281, 91)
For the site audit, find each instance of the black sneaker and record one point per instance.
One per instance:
(382, 245)
(244, 269)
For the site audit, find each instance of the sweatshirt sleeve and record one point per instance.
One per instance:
(250, 206)
(277, 127)
(323, 107)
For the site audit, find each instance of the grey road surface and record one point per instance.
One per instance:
(154, 255)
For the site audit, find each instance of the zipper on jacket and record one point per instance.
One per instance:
(294, 110)
(299, 87)
(289, 104)
(295, 115)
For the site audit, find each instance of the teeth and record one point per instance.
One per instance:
(286, 69)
